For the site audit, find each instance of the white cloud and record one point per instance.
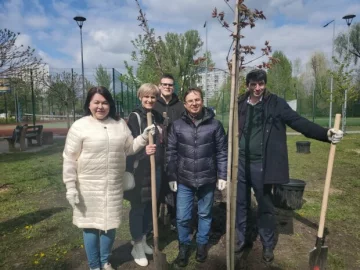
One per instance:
(293, 26)
(23, 40)
(37, 21)
(54, 62)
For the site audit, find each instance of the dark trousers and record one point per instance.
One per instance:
(250, 175)
(140, 215)
(168, 197)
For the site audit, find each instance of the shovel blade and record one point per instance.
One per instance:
(318, 258)
(160, 260)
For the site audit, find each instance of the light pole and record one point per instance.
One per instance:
(348, 19)
(332, 78)
(80, 21)
(206, 63)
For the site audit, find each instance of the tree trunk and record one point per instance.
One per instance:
(232, 150)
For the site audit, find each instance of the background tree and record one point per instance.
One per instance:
(63, 90)
(88, 84)
(177, 53)
(280, 77)
(343, 80)
(15, 59)
(174, 53)
(354, 49)
(319, 67)
(102, 77)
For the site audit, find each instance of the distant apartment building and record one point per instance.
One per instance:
(215, 80)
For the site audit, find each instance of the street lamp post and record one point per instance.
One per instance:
(80, 21)
(332, 78)
(348, 19)
(206, 63)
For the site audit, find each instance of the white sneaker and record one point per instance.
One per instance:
(147, 249)
(139, 254)
(107, 266)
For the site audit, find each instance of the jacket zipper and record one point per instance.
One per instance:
(107, 179)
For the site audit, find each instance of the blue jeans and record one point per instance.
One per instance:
(140, 215)
(184, 207)
(98, 245)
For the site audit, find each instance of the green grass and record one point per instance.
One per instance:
(33, 211)
(342, 219)
(36, 231)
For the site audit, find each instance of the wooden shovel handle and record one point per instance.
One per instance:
(153, 183)
(328, 180)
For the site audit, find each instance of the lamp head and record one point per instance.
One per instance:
(80, 20)
(348, 18)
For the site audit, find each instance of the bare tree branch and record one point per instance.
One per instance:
(15, 59)
(149, 34)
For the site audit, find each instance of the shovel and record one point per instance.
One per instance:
(159, 257)
(318, 255)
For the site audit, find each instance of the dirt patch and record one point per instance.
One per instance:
(5, 188)
(296, 237)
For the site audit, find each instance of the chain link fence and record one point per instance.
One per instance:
(59, 93)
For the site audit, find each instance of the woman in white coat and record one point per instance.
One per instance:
(94, 163)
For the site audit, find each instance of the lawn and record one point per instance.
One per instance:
(36, 230)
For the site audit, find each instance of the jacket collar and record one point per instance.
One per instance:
(246, 95)
(207, 115)
(174, 99)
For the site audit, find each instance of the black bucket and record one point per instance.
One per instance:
(303, 147)
(289, 196)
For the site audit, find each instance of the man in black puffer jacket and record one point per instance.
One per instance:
(196, 164)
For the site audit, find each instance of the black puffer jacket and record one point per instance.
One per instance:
(142, 174)
(197, 156)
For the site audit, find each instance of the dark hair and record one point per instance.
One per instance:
(193, 89)
(256, 75)
(106, 94)
(167, 76)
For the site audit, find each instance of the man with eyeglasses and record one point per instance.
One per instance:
(197, 163)
(168, 102)
(263, 157)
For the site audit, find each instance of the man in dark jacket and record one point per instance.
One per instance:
(196, 164)
(263, 157)
(168, 102)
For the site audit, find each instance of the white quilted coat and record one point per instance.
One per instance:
(94, 163)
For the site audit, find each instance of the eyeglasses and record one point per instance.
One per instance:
(167, 84)
(198, 100)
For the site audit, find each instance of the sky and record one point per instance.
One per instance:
(292, 26)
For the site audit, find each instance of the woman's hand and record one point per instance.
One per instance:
(150, 149)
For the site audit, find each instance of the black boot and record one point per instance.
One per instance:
(182, 259)
(201, 253)
(268, 254)
(241, 246)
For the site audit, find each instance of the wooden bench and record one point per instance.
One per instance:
(34, 133)
(18, 136)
